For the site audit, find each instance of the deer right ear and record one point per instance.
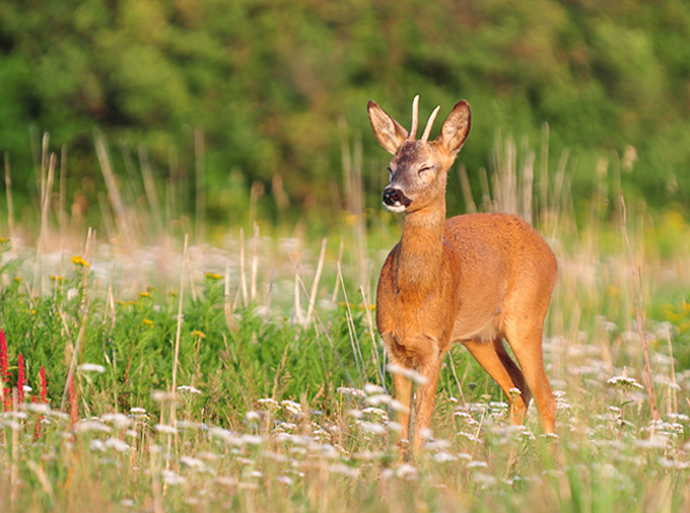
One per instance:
(388, 131)
(456, 127)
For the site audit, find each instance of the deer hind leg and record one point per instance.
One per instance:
(526, 346)
(497, 363)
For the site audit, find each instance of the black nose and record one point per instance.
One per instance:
(392, 196)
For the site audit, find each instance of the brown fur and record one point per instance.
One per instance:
(474, 279)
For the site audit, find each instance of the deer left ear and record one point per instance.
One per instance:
(388, 131)
(456, 128)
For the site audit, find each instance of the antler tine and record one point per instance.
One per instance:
(429, 124)
(415, 118)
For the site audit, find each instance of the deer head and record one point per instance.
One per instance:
(418, 170)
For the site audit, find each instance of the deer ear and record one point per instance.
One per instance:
(388, 131)
(455, 128)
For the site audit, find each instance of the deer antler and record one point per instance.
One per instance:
(429, 124)
(415, 118)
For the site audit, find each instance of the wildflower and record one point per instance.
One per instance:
(147, 322)
(91, 367)
(268, 401)
(172, 479)
(371, 427)
(4, 371)
(119, 420)
(72, 396)
(343, 469)
(624, 382)
(80, 262)
(35, 408)
(372, 389)
(213, 276)
(165, 429)
(406, 471)
(117, 444)
(292, 407)
(252, 416)
(20, 379)
(443, 457)
(190, 389)
(137, 410)
(197, 333)
(193, 463)
(412, 374)
(87, 426)
(97, 445)
(144, 295)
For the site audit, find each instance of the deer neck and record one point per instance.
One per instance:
(421, 249)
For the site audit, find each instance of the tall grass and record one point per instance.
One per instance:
(250, 377)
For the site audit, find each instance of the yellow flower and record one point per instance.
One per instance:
(144, 294)
(78, 260)
(120, 302)
(54, 277)
(213, 276)
(4, 240)
(148, 322)
(17, 279)
(197, 333)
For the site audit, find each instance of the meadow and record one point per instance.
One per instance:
(146, 370)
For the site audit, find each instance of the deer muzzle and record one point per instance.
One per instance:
(395, 200)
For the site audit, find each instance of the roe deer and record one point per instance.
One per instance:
(473, 278)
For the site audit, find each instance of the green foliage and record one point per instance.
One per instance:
(268, 82)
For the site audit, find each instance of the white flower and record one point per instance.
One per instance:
(91, 425)
(292, 407)
(412, 374)
(97, 445)
(119, 420)
(35, 407)
(372, 427)
(252, 416)
(187, 388)
(172, 479)
(372, 389)
(91, 367)
(117, 444)
(193, 463)
(165, 429)
(342, 468)
(624, 382)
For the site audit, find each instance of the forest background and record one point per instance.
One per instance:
(278, 87)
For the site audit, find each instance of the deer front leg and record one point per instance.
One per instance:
(403, 393)
(426, 396)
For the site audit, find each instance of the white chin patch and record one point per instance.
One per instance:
(397, 208)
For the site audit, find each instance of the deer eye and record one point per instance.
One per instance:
(424, 169)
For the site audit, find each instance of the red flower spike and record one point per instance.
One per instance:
(5, 395)
(21, 379)
(4, 359)
(74, 408)
(43, 394)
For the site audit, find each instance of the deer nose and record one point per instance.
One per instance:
(391, 196)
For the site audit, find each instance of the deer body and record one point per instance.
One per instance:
(474, 279)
